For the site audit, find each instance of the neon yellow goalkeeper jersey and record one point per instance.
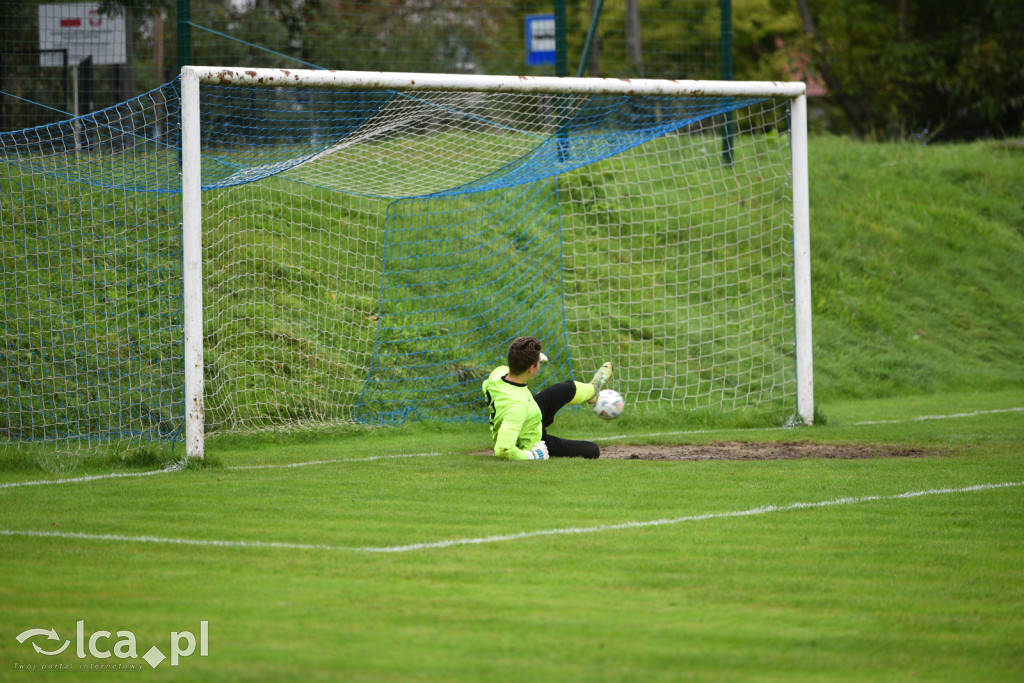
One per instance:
(515, 416)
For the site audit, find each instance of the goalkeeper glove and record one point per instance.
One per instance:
(539, 451)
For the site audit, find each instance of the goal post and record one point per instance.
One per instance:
(675, 108)
(802, 263)
(246, 250)
(192, 263)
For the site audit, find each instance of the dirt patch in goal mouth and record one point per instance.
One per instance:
(759, 450)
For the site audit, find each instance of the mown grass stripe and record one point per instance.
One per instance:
(437, 545)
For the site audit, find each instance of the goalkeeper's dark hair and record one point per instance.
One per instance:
(524, 352)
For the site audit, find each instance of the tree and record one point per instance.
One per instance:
(932, 65)
(763, 33)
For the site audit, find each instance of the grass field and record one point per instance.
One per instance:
(408, 553)
(405, 555)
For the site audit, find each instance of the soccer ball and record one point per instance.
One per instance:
(609, 404)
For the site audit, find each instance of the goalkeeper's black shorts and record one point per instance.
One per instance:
(551, 400)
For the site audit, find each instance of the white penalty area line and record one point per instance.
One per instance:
(763, 510)
(77, 480)
(167, 470)
(921, 418)
(925, 418)
(330, 461)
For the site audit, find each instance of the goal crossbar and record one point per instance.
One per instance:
(375, 80)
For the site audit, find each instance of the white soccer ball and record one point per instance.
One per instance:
(609, 404)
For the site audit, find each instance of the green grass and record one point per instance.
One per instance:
(916, 267)
(925, 587)
(919, 308)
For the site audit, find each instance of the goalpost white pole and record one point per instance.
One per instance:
(192, 262)
(802, 262)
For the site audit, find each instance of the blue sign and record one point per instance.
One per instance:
(540, 39)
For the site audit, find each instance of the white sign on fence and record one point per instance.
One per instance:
(80, 29)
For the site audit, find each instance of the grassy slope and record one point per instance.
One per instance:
(916, 271)
(916, 259)
(917, 285)
(917, 267)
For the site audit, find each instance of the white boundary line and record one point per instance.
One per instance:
(330, 461)
(921, 418)
(925, 418)
(121, 475)
(507, 537)
(76, 480)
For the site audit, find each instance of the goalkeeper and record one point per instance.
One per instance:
(519, 419)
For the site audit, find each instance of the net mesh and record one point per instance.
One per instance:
(91, 252)
(369, 255)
